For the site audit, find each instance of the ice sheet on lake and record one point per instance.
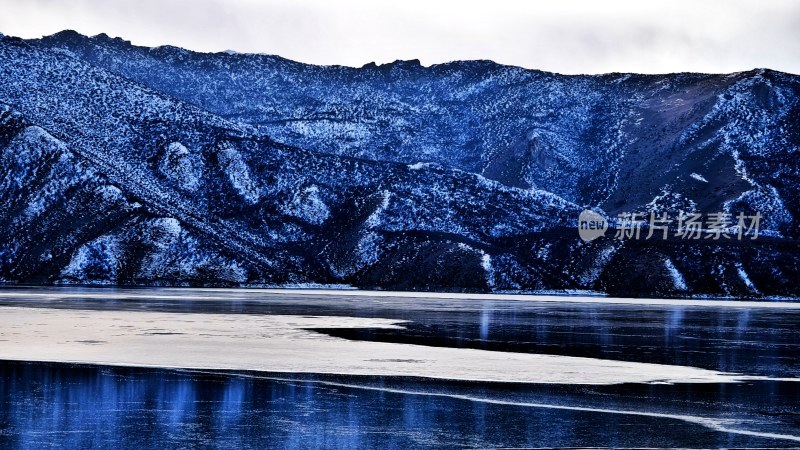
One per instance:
(283, 343)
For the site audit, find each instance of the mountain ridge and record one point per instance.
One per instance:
(73, 34)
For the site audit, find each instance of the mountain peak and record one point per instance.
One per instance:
(407, 62)
(103, 37)
(65, 35)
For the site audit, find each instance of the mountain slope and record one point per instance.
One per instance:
(130, 165)
(284, 215)
(617, 142)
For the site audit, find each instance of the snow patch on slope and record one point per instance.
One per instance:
(422, 165)
(677, 278)
(374, 219)
(97, 260)
(235, 167)
(745, 278)
(309, 206)
(178, 165)
(486, 263)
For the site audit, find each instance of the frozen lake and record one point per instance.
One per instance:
(343, 369)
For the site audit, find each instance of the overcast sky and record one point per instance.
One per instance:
(566, 36)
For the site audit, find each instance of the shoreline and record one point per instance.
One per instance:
(585, 297)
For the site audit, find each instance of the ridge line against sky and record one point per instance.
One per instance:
(570, 37)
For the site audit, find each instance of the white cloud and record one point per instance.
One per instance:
(569, 36)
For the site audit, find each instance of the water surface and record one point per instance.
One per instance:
(46, 404)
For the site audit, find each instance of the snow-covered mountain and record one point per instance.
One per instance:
(125, 164)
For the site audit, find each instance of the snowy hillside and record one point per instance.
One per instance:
(132, 165)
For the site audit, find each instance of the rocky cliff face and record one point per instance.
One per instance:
(131, 165)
